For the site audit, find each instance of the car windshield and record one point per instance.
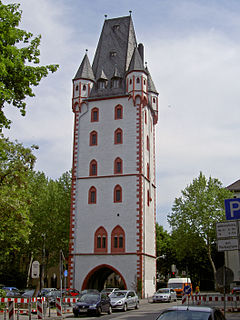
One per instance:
(185, 315)
(163, 291)
(175, 285)
(117, 294)
(89, 298)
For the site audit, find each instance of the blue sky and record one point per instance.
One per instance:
(192, 49)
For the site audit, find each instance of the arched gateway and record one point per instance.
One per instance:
(113, 204)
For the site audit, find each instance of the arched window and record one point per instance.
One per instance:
(148, 147)
(118, 240)
(93, 168)
(148, 198)
(84, 87)
(148, 171)
(100, 240)
(118, 139)
(118, 112)
(92, 195)
(93, 138)
(95, 115)
(145, 112)
(118, 166)
(117, 194)
(138, 80)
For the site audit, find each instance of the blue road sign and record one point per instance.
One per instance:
(232, 208)
(187, 289)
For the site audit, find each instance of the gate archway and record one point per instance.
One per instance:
(101, 275)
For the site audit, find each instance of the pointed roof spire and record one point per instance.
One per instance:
(136, 62)
(116, 73)
(102, 76)
(151, 86)
(85, 70)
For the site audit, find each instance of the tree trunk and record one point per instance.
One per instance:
(212, 264)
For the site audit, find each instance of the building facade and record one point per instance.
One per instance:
(113, 205)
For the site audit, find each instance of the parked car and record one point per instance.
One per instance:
(52, 296)
(71, 292)
(236, 290)
(165, 295)
(95, 303)
(191, 312)
(109, 291)
(29, 293)
(124, 300)
(12, 292)
(44, 291)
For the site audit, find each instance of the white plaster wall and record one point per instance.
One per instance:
(150, 276)
(126, 265)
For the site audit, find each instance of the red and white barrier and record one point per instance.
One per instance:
(40, 308)
(59, 307)
(11, 305)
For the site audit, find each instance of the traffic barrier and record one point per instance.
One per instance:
(40, 308)
(232, 302)
(11, 305)
(59, 307)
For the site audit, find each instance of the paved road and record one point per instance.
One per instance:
(147, 311)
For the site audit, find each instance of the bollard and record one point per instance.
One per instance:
(40, 308)
(11, 306)
(59, 307)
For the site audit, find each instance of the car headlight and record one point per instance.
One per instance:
(93, 306)
(120, 302)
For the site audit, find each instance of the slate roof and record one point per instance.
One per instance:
(136, 62)
(115, 49)
(85, 70)
(234, 186)
(151, 86)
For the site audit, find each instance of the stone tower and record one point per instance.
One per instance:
(113, 206)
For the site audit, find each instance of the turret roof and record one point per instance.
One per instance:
(151, 86)
(85, 70)
(136, 62)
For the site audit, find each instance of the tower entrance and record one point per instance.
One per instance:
(104, 276)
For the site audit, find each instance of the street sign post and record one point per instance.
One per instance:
(227, 229)
(227, 244)
(232, 208)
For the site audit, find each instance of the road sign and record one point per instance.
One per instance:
(187, 289)
(227, 229)
(227, 244)
(35, 269)
(232, 208)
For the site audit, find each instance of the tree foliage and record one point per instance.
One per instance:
(194, 216)
(19, 52)
(16, 163)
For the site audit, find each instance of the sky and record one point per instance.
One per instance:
(192, 50)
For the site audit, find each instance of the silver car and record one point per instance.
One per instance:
(124, 300)
(165, 295)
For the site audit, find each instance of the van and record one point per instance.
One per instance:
(178, 284)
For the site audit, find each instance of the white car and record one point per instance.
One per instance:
(165, 295)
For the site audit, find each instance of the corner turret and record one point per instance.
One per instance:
(82, 84)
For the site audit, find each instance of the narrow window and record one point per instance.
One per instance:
(94, 115)
(93, 138)
(117, 194)
(118, 166)
(92, 195)
(100, 240)
(138, 80)
(148, 198)
(118, 136)
(117, 240)
(148, 171)
(118, 112)
(148, 147)
(84, 87)
(145, 116)
(93, 168)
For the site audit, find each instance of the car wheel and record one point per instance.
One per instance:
(99, 311)
(110, 310)
(137, 305)
(125, 307)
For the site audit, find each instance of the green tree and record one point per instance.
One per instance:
(16, 163)
(18, 53)
(194, 216)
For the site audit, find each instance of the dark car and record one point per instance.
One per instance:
(12, 292)
(52, 296)
(94, 303)
(191, 312)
